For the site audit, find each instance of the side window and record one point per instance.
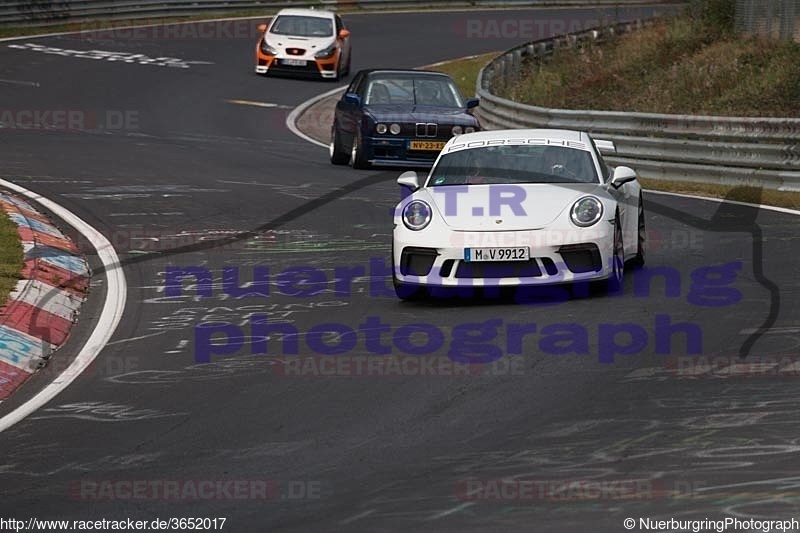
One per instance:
(353, 88)
(606, 173)
(361, 86)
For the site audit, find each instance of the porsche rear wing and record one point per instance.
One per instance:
(605, 147)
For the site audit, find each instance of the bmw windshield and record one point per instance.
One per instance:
(436, 91)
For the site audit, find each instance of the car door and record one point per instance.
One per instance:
(627, 198)
(345, 48)
(348, 115)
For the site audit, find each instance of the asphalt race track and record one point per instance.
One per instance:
(176, 166)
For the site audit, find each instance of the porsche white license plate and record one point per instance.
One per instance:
(294, 62)
(516, 253)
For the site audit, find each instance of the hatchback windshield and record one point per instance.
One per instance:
(302, 26)
(514, 164)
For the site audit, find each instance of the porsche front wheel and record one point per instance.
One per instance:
(617, 259)
(641, 238)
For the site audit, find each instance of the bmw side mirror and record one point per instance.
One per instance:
(352, 98)
(472, 102)
(622, 175)
(409, 179)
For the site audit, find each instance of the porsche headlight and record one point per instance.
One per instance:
(267, 49)
(326, 53)
(586, 211)
(416, 215)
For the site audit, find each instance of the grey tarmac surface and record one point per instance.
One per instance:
(371, 453)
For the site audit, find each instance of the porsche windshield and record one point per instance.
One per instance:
(514, 164)
(436, 91)
(302, 26)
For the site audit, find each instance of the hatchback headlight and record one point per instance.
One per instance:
(326, 53)
(267, 49)
(586, 211)
(416, 215)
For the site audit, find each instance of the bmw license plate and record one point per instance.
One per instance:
(517, 253)
(294, 62)
(426, 145)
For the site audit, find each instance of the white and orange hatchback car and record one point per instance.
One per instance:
(307, 42)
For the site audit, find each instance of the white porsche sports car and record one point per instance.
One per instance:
(518, 208)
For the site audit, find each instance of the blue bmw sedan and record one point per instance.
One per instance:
(398, 118)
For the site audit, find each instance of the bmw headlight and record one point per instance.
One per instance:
(416, 215)
(586, 211)
(380, 128)
(457, 130)
(394, 128)
(469, 129)
(326, 52)
(267, 49)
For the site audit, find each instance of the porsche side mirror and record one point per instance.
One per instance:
(262, 28)
(409, 179)
(622, 175)
(472, 102)
(344, 34)
(352, 98)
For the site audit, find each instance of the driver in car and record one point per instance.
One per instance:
(562, 162)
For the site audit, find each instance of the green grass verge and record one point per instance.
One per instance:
(465, 71)
(681, 65)
(11, 257)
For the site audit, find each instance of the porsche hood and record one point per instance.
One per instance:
(508, 207)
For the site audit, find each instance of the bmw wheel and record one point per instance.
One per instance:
(357, 159)
(338, 156)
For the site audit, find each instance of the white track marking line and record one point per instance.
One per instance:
(18, 82)
(455, 509)
(110, 316)
(359, 516)
(734, 202)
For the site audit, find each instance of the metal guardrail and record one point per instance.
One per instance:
(724, 150)
(35, 13)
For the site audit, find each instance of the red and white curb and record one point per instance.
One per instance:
(42, 308)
